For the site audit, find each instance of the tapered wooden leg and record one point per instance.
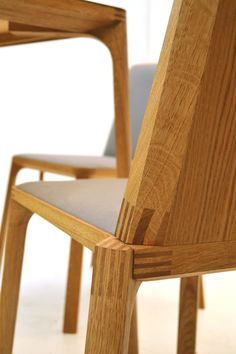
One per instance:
(73, 288)
(41, 175)
(133, 339)
(11, 182)
(112, 299)
(201, 302)
(188, 315)
(15, 241)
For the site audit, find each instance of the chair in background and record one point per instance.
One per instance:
(175, 216)
(25, 22)
(141, 78)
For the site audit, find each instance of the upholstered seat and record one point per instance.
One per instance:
(96, 201)
(74, 161)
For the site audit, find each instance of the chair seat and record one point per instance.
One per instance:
(95, 201)
(75, 161)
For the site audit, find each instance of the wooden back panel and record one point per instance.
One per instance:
(181, 186)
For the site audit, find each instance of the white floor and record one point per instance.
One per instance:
(41, 304)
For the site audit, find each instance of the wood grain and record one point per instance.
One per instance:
(112, 299)
(4, 26)
(19, 217)
(115, 38)
(84, 233)
(161, 262)
(205, 201)
(171, 109)
(62, 169)
(12, 179)
(35, 21)
(73, 288)
(78, 16)
(188, 315)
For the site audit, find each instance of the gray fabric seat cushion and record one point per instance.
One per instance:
(91, 162)
(96, 201)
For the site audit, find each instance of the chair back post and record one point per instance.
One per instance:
(115, 38)
(182, 180)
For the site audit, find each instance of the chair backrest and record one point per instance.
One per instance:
(141, 79)
(181, 188)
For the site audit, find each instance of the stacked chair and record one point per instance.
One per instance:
(175, 214)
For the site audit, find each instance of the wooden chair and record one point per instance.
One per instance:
(141, 78)
(177, 216)
(25, 22)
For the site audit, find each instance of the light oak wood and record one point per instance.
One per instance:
(12, 179)
(133, 338)
(84, 233)
(170, 167)
(77, 16)
(28, 23)
(112, 299)
(4, 26)
(188, 315)
(62, 169)
(169, 262)
(73, 288)
(116, 41)
(18, 220)
(206, 188)
(170, 112)
(201, 298)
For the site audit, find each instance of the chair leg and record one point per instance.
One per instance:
(11, 182)
(188, 315)
(201, 303)
(112, 299)
(15, 241)
(41, 175)
(73, 288)
(133, 339)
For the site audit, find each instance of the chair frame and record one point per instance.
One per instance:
(25, 22)
(184, 170)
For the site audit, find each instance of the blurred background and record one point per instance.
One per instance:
(57, 97)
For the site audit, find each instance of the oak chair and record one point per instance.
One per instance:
(141, 78)
(25, 22)
(177, 215)
(110, 28)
